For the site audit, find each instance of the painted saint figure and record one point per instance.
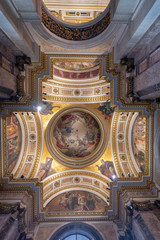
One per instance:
(14, 136)
(106, 110)
(107, 168)
(45, 169)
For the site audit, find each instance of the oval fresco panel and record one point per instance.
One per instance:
(76, 201)
(76, 134)
(139, 142)
(14, 139)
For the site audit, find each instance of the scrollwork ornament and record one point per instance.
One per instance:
(72, 33)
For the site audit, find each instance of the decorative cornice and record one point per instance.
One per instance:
(75, 33)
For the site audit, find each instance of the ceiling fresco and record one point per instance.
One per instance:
(75, 66)
(77, 149)
(76, 201)
(51, 119)
(75, 73)
(76, 134)
(61, 180)
(14, 141)
(139, 142)
(83, 85)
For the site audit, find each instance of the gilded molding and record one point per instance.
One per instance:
(88, 84)
(114, 143)
(59, 190)
(77, 99)
(21, 189)
(73, 173)
(5, 145)
(25, 149)
(39, 68)
(59, 214)
(75, 33)
(39, 146)
(127, 145)
(4, 134)
(75, 162)
(74, 58)
(96, 181)
(63, 57)
(149, 146)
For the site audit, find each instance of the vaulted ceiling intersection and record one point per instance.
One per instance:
(84, 145)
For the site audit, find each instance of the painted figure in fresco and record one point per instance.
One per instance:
(13, 153)
(13, 141)
(90, 203)
(76, 134)
(47, 108)
(139, 142)
(75, 65)
(140, 126)
(77, 201)
(106, 168)
(106, 110)
(74, 200)
(45, 169)
(62, 203)
(82, 201)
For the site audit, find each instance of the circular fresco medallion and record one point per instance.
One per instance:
(76, 134)
(75, 137)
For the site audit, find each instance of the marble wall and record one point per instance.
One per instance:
(145, 226)
(8, 70)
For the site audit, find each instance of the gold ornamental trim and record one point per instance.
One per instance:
(127, 144)
(149, 147)
(59, 190)
(71, 99)
(114, 143)
(63, 58)
(72, 161)
(22, 189)
(74, 173)
(72, 85)
(25, 148)
(147, 188)
(39, 146)
(74, 33)
(5, 146)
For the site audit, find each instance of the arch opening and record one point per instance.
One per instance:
(77, 231)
